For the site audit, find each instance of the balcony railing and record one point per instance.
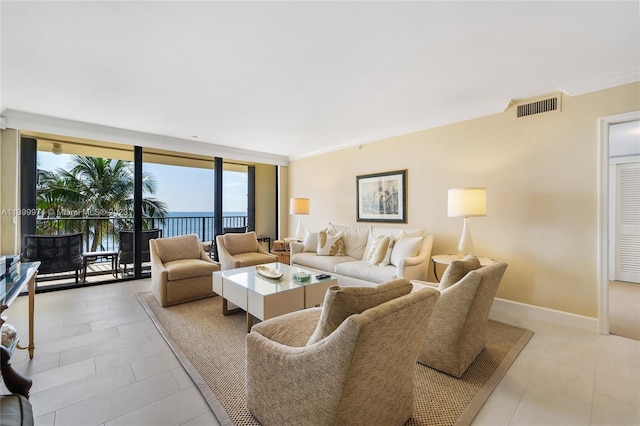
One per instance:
(108, 227)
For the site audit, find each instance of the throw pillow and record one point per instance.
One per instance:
(387, 256)
(378, 249)
(405, 247)
(342, 302)
(457, 269)
(310, 242)
(330, 245)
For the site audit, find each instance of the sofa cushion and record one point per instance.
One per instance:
(378, 249)
(240, 243)
(188, 268)
(457, 269)
(322, 263)
(404, 248)
(342, 302)
(176, 248)
(355, 238)
(363, 270)
(253, 258)
(330, 245)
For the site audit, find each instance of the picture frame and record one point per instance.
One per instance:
(382, 197)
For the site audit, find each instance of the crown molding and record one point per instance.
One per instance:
(601, 83)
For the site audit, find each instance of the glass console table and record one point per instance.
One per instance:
(11, 285)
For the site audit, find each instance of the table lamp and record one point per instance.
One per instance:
(299, 206)
(467, 202)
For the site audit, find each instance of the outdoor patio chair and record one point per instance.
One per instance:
(126, 249)
(56, 253)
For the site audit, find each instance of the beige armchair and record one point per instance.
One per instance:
(239, 250)
(457, 331)
(180, 270)
(360, 373)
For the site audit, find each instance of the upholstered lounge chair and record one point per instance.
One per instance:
(457, 331)
(300, 371)
(180, 270)
(240, 250)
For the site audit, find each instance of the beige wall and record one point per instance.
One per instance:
(541, 175)
(266, 200)
(283, 202)
(9, 221)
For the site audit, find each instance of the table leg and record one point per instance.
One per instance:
(435, 271)
(32, 296)
(114, 265)
(250, 321)
(84, 269)
(226, 310)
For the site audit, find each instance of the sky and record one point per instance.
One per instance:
(184, 189)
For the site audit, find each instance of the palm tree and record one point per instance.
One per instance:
(97, 188)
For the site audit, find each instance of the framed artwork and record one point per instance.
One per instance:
(382, 197)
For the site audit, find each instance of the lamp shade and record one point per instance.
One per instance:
(299, 206)
(467, 202)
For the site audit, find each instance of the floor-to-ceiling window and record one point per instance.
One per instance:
(82, 187)
(89, 187)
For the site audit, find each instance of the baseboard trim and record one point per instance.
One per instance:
(528, 316)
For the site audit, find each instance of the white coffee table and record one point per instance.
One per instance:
(265, 298)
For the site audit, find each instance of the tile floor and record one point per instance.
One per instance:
(100, 361)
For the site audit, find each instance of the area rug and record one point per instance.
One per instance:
(211, 348)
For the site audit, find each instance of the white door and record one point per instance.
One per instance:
(627, 232)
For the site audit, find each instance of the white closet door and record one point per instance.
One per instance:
(627, 263)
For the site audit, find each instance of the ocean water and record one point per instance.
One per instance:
(200, 223)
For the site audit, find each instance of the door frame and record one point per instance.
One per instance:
(603, 214)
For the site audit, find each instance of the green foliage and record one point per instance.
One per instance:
(99, 189)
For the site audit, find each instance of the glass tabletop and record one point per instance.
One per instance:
(12, 283)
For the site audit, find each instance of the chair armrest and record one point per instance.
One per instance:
(159, 273)
(206, 258)
(261, 249)
(227, 261)
(418, 284)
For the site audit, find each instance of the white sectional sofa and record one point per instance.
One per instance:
(407, 257)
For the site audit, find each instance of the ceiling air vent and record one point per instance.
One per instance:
(537, 107)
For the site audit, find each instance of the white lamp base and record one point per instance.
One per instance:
(300, 229)
(465, 246)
